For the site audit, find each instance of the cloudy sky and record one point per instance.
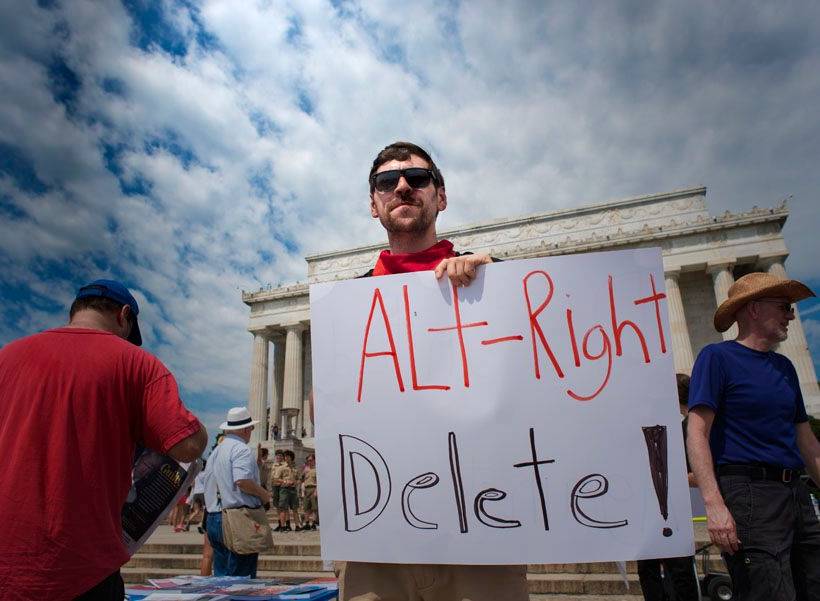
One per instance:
(196, 149)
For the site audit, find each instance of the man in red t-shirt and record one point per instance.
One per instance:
(406, 195)
(74, 403)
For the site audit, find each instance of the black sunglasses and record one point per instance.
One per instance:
(782, 305)
(416, 177)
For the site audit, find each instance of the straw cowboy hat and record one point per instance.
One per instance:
(238, 418)
(753, 286)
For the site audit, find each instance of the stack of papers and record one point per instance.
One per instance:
(234, 588)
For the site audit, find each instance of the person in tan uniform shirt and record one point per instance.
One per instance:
(286, 477)
(278, 461)
(310, 503)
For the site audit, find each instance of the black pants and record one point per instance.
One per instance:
(680, 572)
(110, 589)
(779, 557)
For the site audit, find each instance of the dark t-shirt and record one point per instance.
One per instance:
(757, 402)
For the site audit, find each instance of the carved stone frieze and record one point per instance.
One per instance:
(652, 219)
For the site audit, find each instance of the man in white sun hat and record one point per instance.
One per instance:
(749, 442)
(233, 482)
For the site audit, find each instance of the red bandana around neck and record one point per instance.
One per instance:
(425, 260)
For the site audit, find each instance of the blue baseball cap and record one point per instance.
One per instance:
(119, 294)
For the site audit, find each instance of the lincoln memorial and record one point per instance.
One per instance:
(703, 254)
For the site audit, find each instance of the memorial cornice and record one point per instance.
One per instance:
(640, 221)
(296, 290)
(660, 233)
(506, 223)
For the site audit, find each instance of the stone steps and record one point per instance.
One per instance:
(542, 584)
(305, 557)
(195, 548)
(298, 554)
(267, 563)
(132, 575)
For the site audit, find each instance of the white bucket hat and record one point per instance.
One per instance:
(238, 418)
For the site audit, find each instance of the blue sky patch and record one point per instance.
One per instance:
(189, 256)
(20, 169)
(172, 143)
(261, 183)
(291, 245)
(263, 124)
(344, 8)
(114, 86)
(137, 185)
(64, 83)
(394, 53)
(294, 32)
(9, 209)
(304, 102)
(151, 28)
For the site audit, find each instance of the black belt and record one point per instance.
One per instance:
(761, 472)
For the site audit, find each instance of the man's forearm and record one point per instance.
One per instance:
(813, 469)
(252, 488)
(703, 467)
(810, 451)
(190, 449)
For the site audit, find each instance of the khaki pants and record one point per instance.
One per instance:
(415, 582)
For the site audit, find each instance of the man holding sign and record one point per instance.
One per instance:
(490, 418)
(406, 194)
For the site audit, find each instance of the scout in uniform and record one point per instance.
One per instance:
(278, 461)
(310, 503)
(286, 476)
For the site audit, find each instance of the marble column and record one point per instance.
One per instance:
(722, 279)
(258, 397)
(681, 344)
(292, 389)
(277, 382)
(307, 385)
(795, 347)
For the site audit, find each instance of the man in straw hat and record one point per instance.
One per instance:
(234, 479)
(749, 441)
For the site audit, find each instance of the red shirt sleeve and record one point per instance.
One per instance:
(165, 420)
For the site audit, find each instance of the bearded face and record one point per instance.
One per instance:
(407, 210)
(407, 214)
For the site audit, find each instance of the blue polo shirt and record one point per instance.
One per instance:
(757, 402)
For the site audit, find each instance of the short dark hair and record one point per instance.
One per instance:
(290, 454)
(263, 452)
(401, 151)
(96, 303)
(683, 388)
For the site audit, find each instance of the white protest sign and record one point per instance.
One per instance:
(531, 417)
